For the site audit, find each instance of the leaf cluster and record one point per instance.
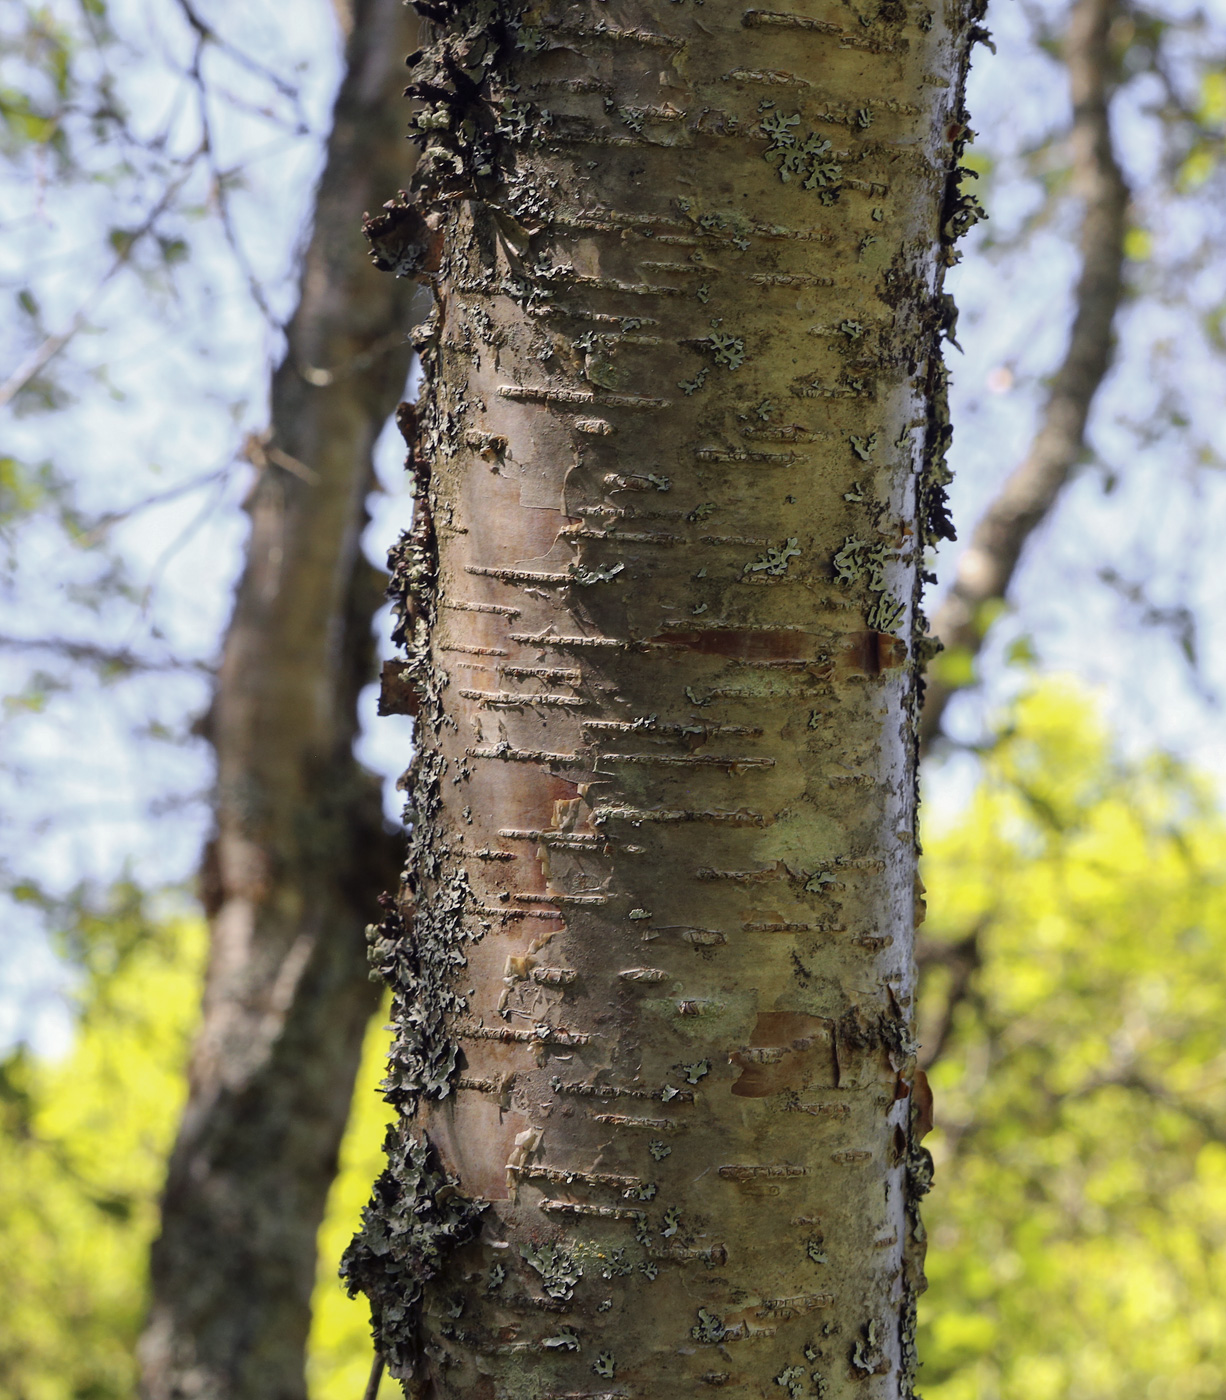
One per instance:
(83, 1140)
(1073, 1001)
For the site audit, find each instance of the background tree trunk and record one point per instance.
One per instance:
(681, 452)
(1029, 494)
(300, 849)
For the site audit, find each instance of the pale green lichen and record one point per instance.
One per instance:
(860, 560)
(775, 560)
(867, 1355)
(617, 1265)
(562, 1340)
(729, 350)
(886, 613)
(585, 577)
(792, 1379)
(605, 1365)
(858, 557)
(806, 159)
(560, 1271)
(863, 447)
(709, 1328)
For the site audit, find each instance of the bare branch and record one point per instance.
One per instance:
(986, 568)
(164, 559)
(1132, 1077)
(1178, 619)
(195, 74)
(42, 355)
(205, 34)
(99, 527)
(109, 658)
(962, 960)
(376, 1375)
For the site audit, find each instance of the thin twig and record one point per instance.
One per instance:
(376, 1375)
(119, 658)
(163, 560)
(195, 74)
(962, 960)
(42, 355)
(103, 523)
(256, 449)
(207, 35)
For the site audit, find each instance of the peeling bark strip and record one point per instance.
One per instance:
(661, 237)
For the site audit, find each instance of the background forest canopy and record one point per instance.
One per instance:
(158, 160)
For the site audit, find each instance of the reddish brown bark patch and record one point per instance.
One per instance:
(788, 1050)
(397, 693)
(873, 652)
(922, 1120)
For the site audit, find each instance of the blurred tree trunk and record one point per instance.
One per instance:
(679, 456)
(300, 849)
(1029, 494)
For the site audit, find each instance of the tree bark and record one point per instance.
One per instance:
(986, 568)
(678, 459)
(300, 847)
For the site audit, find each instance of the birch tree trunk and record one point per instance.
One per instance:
(677, 462)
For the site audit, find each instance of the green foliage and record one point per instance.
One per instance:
(1072, 984)
(39, 84)
(1073, 969)
(954, 667)
(340, 1351)
(83, 1142)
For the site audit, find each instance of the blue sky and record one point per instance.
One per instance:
(172, 374)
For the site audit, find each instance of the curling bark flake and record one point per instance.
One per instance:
(678, 457)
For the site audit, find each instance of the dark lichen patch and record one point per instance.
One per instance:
(417, 1213)
(420, 963)
(402, 241)
(415, 1218)
(465, 119)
